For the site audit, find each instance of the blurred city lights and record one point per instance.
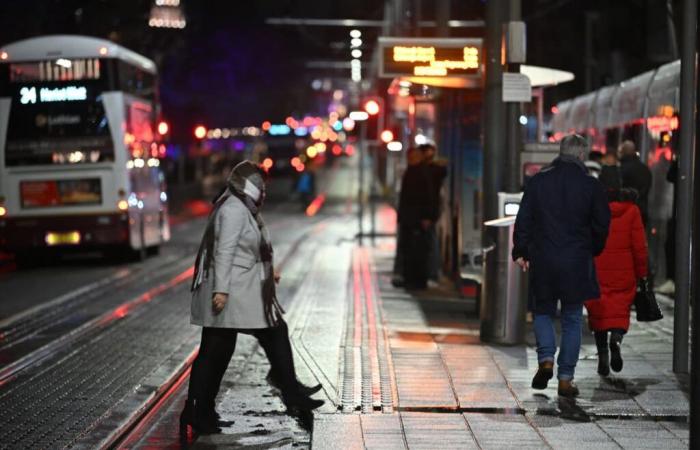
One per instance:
(386, 136)
(266, 125)
(356, 53)
(348, 124)
(3, 211)
(200, 131)
(372, 107)
(555, 110)
(337, 125)
(355, 34)
(359, 116)
(349, 150)
(267, 164)
(355, 42)
(163, 128)
(311, 151)
(4, 56)
(301, 131)
(337, 150)
(523, 120)
(394, 146)
(103, 51)
(279, 130)
(420, 139)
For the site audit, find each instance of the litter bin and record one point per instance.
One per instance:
(504, 289)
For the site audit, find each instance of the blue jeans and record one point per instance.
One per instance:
(571, 318)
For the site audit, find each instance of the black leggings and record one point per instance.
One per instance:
(216, 350)
(601, 338)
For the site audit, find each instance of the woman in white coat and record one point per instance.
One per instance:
(233, 291)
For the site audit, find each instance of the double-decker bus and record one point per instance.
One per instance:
(79, 153)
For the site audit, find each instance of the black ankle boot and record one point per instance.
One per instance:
(196, 417)
(615, 352)
(297, 403)
(303, 389)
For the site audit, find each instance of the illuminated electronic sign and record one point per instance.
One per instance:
(430, 57)
(28, 94)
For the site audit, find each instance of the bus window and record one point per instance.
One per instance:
(58, 133)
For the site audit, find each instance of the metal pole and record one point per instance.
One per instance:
(360, 188)
(373, 193)
(690, 9)
(684, 186)
(493, 113)
(513, 136)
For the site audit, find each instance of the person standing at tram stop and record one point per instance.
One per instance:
(416, 214)
(620, 266)
(561, 225)
(233, 291)
(635, 175)
(438, 172)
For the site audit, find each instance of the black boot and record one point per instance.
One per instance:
(545, 372)
(601, 342)
(615, 353)
(197, 418)
(305, 390)
(297, 403)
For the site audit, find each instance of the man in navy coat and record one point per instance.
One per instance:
(561, 226)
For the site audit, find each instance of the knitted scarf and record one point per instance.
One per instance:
(244, 178)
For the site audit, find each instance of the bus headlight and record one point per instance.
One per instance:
(3, 211)
(123, 205)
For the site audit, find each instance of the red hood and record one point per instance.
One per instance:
(617, 209)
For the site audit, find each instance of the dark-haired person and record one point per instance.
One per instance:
(620, 266)
(561, 225)
(233, 291)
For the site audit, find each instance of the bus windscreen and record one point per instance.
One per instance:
(57, 123)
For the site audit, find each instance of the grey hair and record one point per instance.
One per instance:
(574, 145)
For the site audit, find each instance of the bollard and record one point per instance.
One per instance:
(504, 289)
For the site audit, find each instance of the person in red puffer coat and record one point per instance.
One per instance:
(620, 266)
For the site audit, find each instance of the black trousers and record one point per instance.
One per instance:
(415, 243)
(216, 350)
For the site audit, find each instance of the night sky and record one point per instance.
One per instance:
(228, 68)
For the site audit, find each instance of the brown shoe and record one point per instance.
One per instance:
(567, 388)
(545, 372)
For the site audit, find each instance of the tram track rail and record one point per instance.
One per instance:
(32, 337)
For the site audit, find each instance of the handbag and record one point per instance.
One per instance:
(645, 303)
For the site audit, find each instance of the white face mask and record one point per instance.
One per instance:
(252, 191)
